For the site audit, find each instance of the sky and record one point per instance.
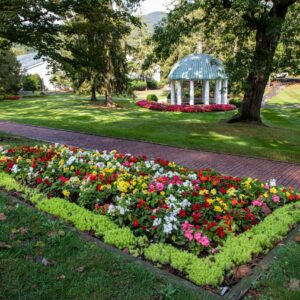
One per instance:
(149, 6)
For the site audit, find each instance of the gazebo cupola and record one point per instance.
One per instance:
(203, 68)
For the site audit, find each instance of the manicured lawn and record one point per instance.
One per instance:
(281, 281)
(209, 131)
(288, 96)
(42, 259)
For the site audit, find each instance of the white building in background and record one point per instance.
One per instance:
(32, 65)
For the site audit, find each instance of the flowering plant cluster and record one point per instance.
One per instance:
(12, 97)
(195, 210)
(185, 108)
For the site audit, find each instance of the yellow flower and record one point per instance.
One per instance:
(266, 195)
(273, 190)
(162, 193)
(217, 208)
(203, 192)
(210, 201)
(66, 193)
(72, 168)
(213, 192)
(231, 192)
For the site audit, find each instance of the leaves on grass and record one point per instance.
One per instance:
(4, 245)
(2, 217)
(62, 277)
(242, 271)
(39, 244)
(294, 285)
(297, 238)
(80, 269)
(47, 262)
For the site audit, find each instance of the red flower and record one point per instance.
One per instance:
(196, 207)
(152, 217)
(63, 179)
(135, 223)
(223, 190)
(182, 213)
(39, 180)
(221, 232)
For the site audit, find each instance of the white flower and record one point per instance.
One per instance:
(157, 222)
(185, 203)
(273, 182)
(111, 209)
(168, 228)
(15, 168)
(71, 160)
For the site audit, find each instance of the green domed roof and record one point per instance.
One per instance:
(198, 67)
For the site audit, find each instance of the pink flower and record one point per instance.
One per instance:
(159, 186)
(276, 198)
(186, 226)
(267, 187)
(151, 188)
(189, 235)
(201, 239)
(257, 203)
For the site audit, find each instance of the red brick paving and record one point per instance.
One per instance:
(286, 173)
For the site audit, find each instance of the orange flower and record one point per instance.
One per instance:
(234, 202)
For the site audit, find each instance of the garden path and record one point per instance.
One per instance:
(285, 173)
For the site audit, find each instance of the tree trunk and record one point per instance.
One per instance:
(108, 88)
(267, 37)
(94, 91)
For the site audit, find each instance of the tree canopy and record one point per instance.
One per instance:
(253, 38)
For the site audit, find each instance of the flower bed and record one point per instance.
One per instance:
(185, 108)
(12, 97)
(167, 213)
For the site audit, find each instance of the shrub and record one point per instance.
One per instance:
(32, 82)
(152, 85)
(152, 97)
(138, 85)
(236, 102)
(2, 97)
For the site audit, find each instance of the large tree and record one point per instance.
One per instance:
(251, 29)
(85, 38)
(10, 72)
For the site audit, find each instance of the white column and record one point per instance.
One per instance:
(192, 93)
(218, 92)
(205, 93)
(225, 91)
(173, 95)
(179, 93)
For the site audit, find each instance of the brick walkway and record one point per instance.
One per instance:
(286, 174)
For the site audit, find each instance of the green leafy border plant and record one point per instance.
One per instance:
(236, 251)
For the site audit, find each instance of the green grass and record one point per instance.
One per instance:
(79, 269)
(289, 95)
(10, 141)
(279, 140)
(276, 282)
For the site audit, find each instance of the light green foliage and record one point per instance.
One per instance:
(237, 250)
(120, 237)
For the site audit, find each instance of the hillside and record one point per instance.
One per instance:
(153, 19)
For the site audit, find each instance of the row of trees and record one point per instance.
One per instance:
(86, 39)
